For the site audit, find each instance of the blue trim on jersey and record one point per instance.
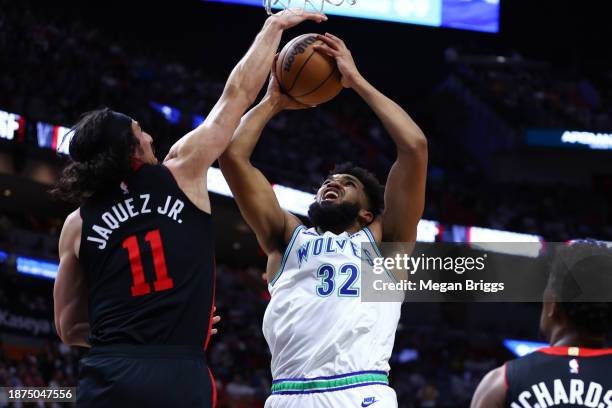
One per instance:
(372, 240)
(331, 377)
(332, 390)
(294, 236)
(378, 252)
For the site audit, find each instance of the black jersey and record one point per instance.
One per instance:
(560, 377)
(147, 252)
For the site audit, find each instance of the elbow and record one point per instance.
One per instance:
(415, 144)
(73, 336)
(63, 333)
(58, 330)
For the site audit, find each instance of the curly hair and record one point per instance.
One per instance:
(374, 190)
(100, 155)
(582, 268)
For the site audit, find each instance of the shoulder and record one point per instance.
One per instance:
(70, 237)
(491, 391)
(193, 185)
(376, 228)
(73, 221)
(293, 226)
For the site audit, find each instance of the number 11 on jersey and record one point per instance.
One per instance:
(162, 281)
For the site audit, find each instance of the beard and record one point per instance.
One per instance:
(330, 216)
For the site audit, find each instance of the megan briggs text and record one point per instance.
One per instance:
(429, 285)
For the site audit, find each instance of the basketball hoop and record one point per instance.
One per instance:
(292, 5)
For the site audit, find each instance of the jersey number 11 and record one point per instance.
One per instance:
(162, 281)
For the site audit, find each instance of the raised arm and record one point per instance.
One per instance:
(70, 289)
(196, 151)
(252, 191)
(491, 392)
(405, 188)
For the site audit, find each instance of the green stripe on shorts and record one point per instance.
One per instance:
(311, 385)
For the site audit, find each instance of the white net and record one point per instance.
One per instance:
(297, 6)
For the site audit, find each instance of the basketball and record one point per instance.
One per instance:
(308, 76)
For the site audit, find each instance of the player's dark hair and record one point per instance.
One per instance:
(583, 268)
(374, 190)
(101, 152)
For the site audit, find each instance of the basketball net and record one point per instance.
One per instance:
(294, 5)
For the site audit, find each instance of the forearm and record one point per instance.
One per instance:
(249, 131)
(251, 72)
(406, 134)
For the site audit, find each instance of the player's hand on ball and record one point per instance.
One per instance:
(280, 100)
(336, 48)
(215, 320)
(289, 18)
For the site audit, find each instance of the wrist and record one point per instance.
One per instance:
(272, 105)
(273, 23)
(357, 81)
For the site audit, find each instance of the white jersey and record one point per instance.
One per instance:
(316, 324)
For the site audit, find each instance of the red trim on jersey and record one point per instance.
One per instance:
(440, 232)
(582, 352)
(214, 389)
(55, 137)
(212, 308)
(21, 129)
(136, 164)
(506, 375)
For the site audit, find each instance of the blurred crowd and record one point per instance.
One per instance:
(299, 148)
(539, 94)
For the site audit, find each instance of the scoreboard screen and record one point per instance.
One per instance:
(473, 15)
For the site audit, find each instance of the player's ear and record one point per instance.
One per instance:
(555, 312)
(366, 217)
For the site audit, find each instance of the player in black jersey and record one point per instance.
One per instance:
(576, 371)
(136, 274)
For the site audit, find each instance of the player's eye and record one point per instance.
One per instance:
(350, 183)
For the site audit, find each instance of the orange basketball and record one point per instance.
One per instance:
(308, 76)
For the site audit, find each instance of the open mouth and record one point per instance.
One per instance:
(331, 195)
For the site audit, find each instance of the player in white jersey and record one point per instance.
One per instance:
(330, 349)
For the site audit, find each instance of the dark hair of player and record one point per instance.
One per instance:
(573, 265)
(100, 155)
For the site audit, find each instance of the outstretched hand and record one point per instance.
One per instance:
(337, 49)
(292, 17)
(277, 97)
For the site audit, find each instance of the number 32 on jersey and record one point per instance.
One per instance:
(341, 279)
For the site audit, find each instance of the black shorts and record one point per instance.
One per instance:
(145, 376)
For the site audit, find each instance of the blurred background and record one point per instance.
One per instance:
(514, 97)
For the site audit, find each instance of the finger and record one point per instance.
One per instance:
(216, 319)
(333, 37)
(213, 331)
(274, 65)
(318, 17)
(329, 41)
(326, 49)
(338, 41)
